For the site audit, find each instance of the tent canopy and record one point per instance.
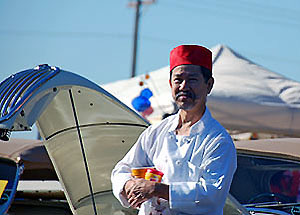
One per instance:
(246, 96)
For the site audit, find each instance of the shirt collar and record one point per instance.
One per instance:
(197, 127)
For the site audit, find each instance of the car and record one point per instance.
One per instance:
(259, 185)
(33, 187)
(267, 179)
(30, 184)
(10, 172)
(87, 131)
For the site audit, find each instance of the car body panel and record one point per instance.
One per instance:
(268, 175)
(10, 172)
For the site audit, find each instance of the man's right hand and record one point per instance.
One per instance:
(138, 190)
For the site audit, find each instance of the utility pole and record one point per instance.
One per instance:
(137, 6)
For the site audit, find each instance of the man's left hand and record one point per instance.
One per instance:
(138, 191)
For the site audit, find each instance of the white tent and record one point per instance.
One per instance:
(245, 96)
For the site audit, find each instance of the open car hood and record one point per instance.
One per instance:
(87, 130)
(84, 154)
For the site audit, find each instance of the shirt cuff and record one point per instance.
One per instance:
(118, 185)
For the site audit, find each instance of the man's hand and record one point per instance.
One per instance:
(138, 190)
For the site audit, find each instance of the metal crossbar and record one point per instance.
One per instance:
(18, 88)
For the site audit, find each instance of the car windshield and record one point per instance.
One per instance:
(261, 179)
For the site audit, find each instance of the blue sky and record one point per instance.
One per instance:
(94, 38)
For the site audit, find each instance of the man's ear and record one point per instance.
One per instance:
(210, 84)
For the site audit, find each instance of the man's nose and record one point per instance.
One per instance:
(184, 85)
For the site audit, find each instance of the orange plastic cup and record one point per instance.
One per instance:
(139, 172)
(154, 175)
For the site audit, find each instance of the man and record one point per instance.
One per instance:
(193, 150)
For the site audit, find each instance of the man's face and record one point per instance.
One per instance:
(189, 89)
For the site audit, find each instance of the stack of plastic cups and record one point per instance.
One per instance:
(151, 174)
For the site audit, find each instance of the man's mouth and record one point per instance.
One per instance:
(184, 95)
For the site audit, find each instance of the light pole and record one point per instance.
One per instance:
(135, 40)
(137, 6)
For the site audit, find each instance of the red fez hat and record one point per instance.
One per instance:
(191, 54)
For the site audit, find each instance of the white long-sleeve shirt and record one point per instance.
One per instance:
(198, 168)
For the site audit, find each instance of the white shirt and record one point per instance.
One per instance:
(198, 169)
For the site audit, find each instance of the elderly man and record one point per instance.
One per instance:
(195, 153)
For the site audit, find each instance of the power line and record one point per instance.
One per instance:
(21, 33)
(214, 10)
(271, 8)
(74, 34)
(246, 5)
